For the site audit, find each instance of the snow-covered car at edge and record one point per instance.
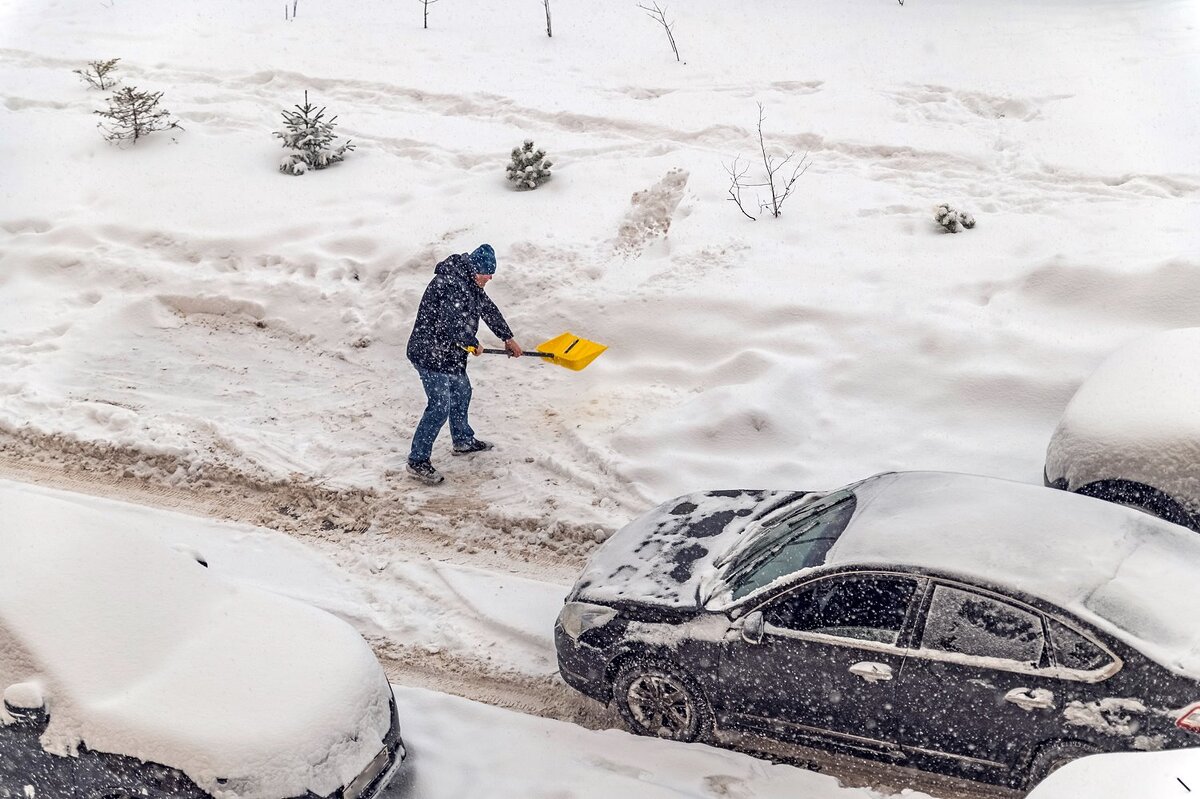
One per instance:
(1144, 775)
(130, 669)
(1131, 432)
(948, 622)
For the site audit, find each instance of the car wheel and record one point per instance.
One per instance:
(1052, 757)
(1140, 497)
(661, 700)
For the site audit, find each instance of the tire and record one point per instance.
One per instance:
(660, 700)
(1140, 497)
(1051, 757)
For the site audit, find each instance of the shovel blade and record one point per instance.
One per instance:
(571, 351)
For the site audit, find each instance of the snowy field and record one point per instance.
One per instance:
(179, 316)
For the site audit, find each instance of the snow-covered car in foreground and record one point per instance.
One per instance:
(1131, 433)
(1144, 775)
(128, 669)
(948, 622)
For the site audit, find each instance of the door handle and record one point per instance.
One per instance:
(872, 672)
(1026, 699)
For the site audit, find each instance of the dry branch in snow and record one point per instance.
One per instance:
(660, 14)
(425, 4)
(780, 187)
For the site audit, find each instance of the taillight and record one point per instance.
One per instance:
(1190, 719)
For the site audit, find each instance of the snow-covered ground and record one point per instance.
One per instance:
(183, 297)
(463, 748)
(180, 311)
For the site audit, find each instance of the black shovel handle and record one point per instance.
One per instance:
(491, 351)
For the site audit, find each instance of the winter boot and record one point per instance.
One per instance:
(475, 446)
(424, 471)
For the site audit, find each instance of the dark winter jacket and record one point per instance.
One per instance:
(449, 317)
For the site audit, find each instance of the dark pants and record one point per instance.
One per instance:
(449, 397)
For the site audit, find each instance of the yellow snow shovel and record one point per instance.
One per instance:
(566, 349)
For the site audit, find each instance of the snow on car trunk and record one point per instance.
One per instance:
(142, 651)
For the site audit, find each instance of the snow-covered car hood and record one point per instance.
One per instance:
(142, 651)
(665, 556)
(1134, 418)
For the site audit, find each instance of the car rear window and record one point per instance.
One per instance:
(966, 623)
(795, 542)
(1073, 650)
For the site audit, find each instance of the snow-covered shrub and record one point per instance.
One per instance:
(309, 138)
(97, 75)
(132, 114)
(951, 219)
(529, 168)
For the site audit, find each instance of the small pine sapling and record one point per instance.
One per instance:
(529, 168)
(98, 74)
(951, 219)
(132, 114)
(309, 137)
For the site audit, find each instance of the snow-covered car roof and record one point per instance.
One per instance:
(1130, 574)
(1135, 418)
(142, 651)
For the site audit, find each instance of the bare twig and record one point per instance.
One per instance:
(426, 4)
(736, 185)
(780, 189)
(778, 193)
(549, 32)
(660, 14)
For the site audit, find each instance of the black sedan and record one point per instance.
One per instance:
(954, 623)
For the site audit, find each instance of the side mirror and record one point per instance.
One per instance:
(25, 703)
(753, 628)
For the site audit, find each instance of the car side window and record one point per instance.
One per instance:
(966, 623)
(868, 607)
(1073, 650)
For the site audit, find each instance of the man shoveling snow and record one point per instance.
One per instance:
(444, 331)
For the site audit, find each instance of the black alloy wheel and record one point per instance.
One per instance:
(660, 700)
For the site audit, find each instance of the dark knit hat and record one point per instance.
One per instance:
(483, 260)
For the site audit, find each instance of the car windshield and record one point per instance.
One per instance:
(795, 541)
